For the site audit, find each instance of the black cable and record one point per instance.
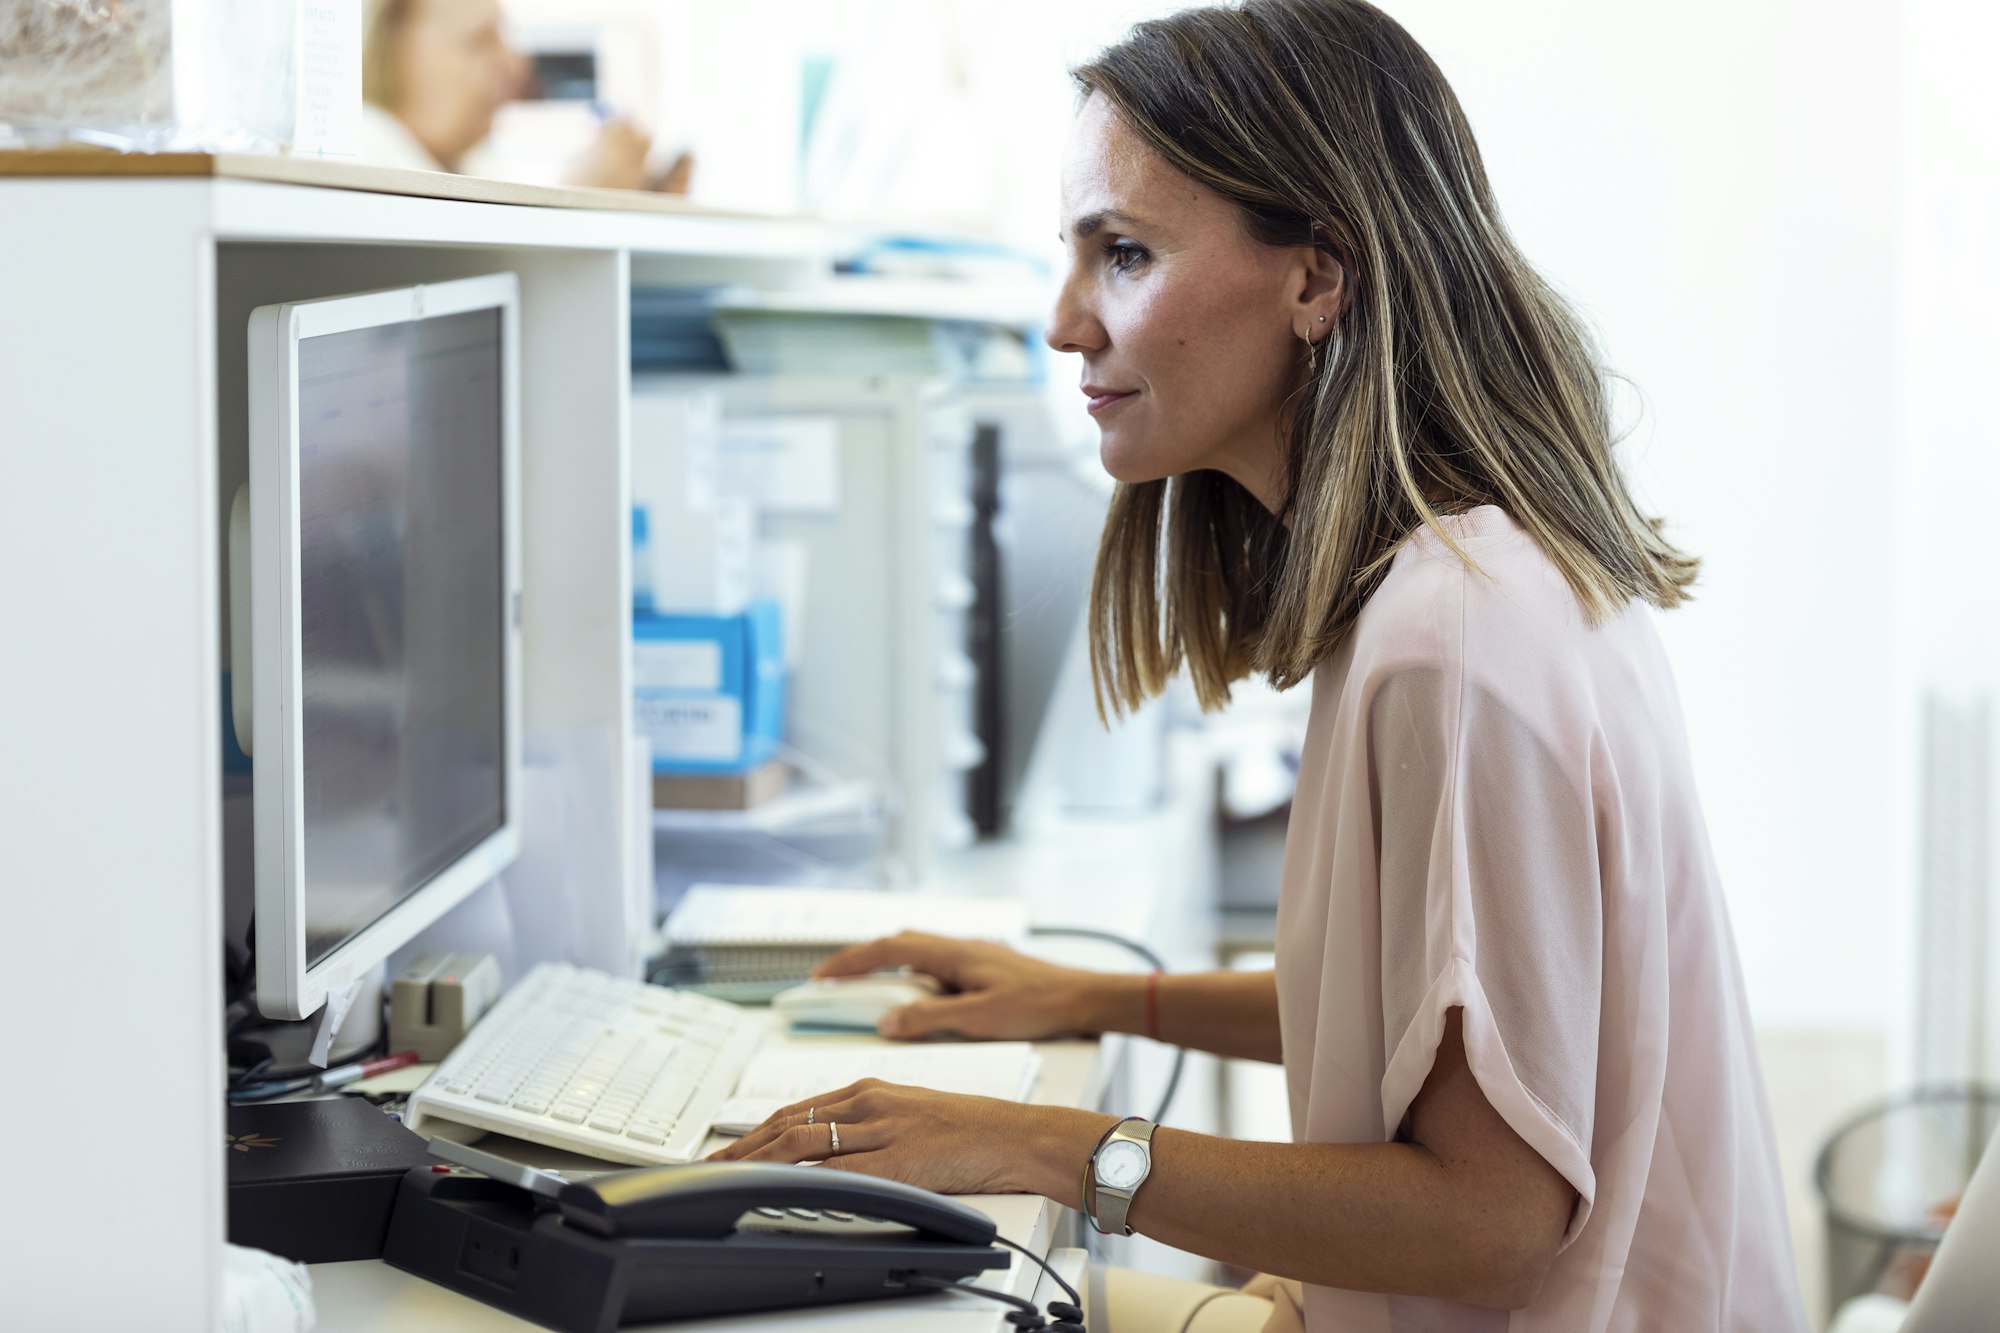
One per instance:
(1027, 1315)
(1203, 1304)
(261, 1071)
(267, 1091)
(1072, 1311)
(1157, 963)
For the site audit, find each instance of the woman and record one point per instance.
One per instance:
(434, 75)
(1359, 437)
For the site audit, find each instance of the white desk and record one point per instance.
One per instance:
(371, 1297)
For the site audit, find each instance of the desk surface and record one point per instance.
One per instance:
(371, 1297)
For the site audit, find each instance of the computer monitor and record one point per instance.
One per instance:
(375, 574)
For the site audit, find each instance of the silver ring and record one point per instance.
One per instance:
(809, 1113)
(835, 1129)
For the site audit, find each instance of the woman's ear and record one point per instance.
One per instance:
(1321, 290)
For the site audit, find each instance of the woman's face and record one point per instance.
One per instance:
(457, 70)
(1190, 329)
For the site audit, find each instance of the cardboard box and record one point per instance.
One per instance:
(721, 791)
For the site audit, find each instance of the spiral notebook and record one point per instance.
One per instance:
(750, 936)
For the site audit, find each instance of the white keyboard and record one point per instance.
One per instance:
(595, 1064)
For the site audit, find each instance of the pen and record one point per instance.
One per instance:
(334, 1078)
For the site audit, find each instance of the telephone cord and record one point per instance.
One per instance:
(1152, 960)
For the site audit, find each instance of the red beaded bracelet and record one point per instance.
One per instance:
(1153, 1005)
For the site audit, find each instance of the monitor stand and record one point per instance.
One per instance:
(291, 1043)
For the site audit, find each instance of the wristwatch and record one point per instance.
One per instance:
(1117, 1169)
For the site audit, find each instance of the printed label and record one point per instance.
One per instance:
(677, 666)
(708, 730)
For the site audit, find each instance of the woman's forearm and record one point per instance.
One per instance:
(1227, 1013)
(1387, 1217)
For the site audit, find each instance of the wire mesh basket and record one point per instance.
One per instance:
(1889, 1179)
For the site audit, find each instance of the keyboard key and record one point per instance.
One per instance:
(571, 1113)
(646, 1134)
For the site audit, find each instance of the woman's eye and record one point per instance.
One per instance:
(1125, 256)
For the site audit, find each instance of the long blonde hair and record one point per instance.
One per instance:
(1456, 376)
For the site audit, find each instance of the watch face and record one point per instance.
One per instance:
(1121, 1164)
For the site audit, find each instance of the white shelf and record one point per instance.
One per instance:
(1022, 305)
(800, 805)
(260, 211)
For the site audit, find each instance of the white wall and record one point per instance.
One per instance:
(1948, 281)
(1712, 182)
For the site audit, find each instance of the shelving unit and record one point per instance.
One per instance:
(884, 688)
(123, 302)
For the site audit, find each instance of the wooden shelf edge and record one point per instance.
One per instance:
(83, 162)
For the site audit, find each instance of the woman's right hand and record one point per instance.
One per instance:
(991, 990)
(616, 159)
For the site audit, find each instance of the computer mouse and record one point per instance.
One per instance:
(852, 1002)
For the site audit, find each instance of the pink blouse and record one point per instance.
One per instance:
(1496, 811)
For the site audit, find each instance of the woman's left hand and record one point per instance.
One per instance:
(939, 1141)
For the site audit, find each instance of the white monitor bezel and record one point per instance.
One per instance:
(286, 987)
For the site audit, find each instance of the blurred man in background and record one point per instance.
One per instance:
(435, 72)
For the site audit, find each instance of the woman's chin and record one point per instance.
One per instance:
(1127, 464)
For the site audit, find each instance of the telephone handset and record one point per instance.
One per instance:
(709, 1199)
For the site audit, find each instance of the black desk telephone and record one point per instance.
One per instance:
(680, 1242)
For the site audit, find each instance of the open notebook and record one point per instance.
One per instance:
(782, 1075)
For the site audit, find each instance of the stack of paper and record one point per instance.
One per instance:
(761, 342)
(784, 1074)
(741, 931)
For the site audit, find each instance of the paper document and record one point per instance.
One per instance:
(716, 915)
(782, 1075)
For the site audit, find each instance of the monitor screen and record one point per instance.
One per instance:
(402, 611)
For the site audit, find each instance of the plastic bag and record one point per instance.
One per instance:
(189, 75)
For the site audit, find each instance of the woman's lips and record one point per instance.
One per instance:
(1100, 401)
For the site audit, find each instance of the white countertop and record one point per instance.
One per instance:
(369, 1296)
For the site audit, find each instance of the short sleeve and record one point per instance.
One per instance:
(1490, 902)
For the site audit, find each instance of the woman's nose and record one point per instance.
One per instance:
(1073, 327)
